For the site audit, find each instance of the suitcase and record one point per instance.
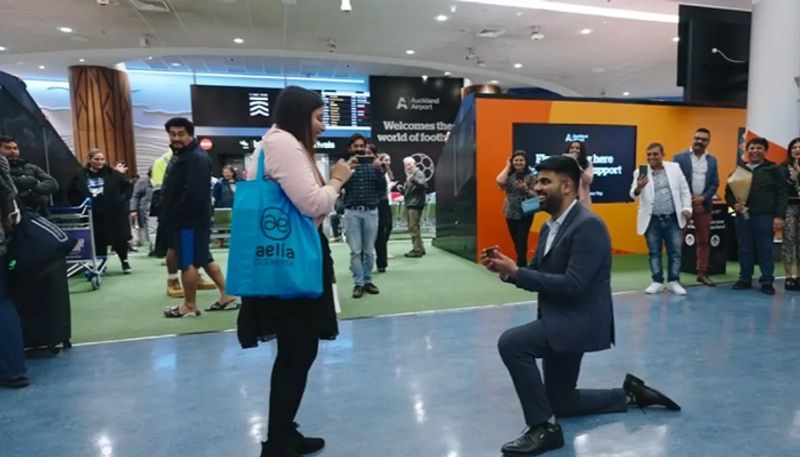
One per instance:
(43, 304)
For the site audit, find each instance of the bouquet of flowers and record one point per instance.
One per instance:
(739, 183)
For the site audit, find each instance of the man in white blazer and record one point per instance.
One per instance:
(665, 204)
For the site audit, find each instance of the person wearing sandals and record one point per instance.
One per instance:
(186, 215)
(790, 244)
(297, 324)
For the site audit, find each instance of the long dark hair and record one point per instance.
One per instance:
(789, 159)
(293, 114)
(582, 160)
(524, 155)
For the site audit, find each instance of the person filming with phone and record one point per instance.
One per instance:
(571, 271)
(362, 194)
(516, 180)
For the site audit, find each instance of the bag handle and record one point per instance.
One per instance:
(260, 166)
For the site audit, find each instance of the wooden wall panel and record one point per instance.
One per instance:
(102, 115)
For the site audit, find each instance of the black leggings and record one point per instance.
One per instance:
(519, 230)
(297, 349)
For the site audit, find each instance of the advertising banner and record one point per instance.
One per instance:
(412, 117)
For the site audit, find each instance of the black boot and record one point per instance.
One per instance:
(644, 396)
(305, 444)
(271, 449)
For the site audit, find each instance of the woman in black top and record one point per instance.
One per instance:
(110, 192)
(790, 245)
(384, 214)
(517, 181)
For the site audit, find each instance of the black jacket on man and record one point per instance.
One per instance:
(767, 190)
(34, 185)
(186, 191)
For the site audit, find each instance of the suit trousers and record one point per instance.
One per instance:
(557, 394)
(701, 217)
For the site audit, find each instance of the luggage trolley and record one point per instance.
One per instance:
(76, 221)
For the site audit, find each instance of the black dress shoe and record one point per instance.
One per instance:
(791, 284)
(358, 292)
(271, 449)
(305, 444)
(536, 440)
(768, 289)
(644, 396)
(741, 285)
(16, 383)
(371, 289)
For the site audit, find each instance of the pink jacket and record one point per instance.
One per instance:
(286, 162)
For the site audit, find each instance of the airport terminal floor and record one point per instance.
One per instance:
(428, 385)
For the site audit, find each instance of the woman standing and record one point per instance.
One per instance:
(12, 355)
(790, 245)
(384, 213)
(577, 150)
(110, 192)
(297, 324)
(517, 181)
(225, 188)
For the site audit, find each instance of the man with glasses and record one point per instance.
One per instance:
(700, 170)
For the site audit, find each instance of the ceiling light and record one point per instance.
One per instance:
(453, 9)
(410, 52)
(346, 6)
(494, 81)
(676, 39)
(517, 65)
(586, 31)
(563, 7)
(447, 73)
(625, 94)
(149, 57)
(65, 29)
(81, 60)
(238, 40)
(519, 13)
(42, 67)
(424, 78)
(441, 18)
(2, 48)
(175, 64)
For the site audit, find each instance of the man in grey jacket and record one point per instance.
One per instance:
(571, 271)
(34, 185)
(414, 192)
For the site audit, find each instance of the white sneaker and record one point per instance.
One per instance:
(676, 288)
(654, 288)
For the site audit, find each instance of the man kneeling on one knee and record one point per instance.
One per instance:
(571, 271)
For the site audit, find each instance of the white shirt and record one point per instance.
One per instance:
(699, 170)
(554, 225)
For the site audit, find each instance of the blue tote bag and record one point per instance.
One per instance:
(275, 250)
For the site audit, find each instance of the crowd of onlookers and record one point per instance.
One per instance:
(765, 197)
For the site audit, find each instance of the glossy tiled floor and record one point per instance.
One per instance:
(428, 385)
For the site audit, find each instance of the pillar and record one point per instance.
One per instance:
(102, 116)
(773, 94)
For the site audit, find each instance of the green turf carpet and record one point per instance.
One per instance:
(130, 306)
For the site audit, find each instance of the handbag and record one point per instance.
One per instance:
(36, 242)
(530, 205)
(275, 251)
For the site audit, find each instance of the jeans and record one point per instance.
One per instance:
(12, 355)
(361, 228)
(664, 230)
(519, 230)
(755, 233)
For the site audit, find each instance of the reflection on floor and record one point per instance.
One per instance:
(428, 385)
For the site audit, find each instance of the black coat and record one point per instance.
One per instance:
(186, 191)
(110, 212)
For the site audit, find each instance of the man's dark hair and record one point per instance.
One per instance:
(703, 130)
(760, 141)
(563, 165)
(6, 139)
(655, 145)
(372, 147)
(355, 138)
(293, 113)
(180, 122)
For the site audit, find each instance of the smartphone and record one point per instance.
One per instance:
(642, 171)
(490, 252)
(362, 160)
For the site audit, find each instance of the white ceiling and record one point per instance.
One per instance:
(619, 56)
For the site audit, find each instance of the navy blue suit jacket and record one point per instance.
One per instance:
(684, 160)
(574, 283)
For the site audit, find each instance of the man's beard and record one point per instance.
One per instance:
(552, 202)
